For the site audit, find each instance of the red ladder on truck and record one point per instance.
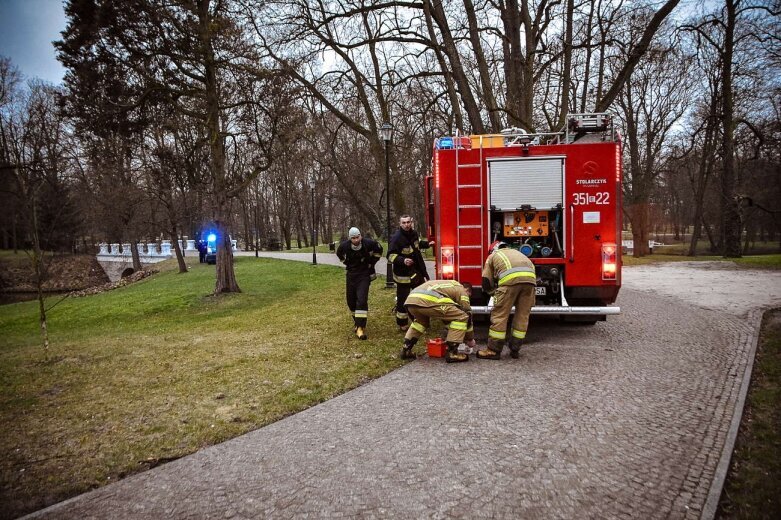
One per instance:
(469, 197)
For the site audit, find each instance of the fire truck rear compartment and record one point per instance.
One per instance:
(543, 195)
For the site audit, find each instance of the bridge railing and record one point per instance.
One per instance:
(148, 251)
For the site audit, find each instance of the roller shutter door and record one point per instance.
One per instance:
(536, 182)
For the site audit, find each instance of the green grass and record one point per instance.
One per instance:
(753, 486)
(161, 368)
(760, 261)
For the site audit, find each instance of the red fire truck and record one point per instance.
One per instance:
(556, 197)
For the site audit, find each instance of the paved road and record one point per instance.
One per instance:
(624, 419)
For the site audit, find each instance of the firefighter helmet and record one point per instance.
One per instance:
(498, 244)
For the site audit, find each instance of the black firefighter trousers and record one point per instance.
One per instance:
(358, 296)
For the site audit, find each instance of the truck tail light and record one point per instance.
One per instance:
(448, 262)
(609, 264)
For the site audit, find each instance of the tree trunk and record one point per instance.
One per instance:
(39, 275)
(514, 62)
(704, 169)
(134, 255)
(587, 60)
(226, 277)
(327, 223)
(696, 232)
(255, 212)
(177, 249)
(638, 215)
(711, 237)
(452, 93)
(566, 72)
(494, 114)
(730, 212)
(245, 218)
(301, 232)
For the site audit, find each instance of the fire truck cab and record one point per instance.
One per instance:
(555, 197)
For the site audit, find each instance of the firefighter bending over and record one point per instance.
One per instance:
(510, 277)
(409, 268)
(359, 255)
(446, 300)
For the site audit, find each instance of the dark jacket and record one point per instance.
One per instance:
(406, 245)
(362, 260)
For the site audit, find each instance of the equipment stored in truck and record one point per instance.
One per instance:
(555, 197)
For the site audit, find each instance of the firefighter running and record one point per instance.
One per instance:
(510, 277)
(446, 300)
(359, 256)
(409, 268)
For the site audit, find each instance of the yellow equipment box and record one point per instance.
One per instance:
(487, 141)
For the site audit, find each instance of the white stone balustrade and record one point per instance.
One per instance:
(115, 254)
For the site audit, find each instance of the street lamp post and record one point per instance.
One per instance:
(314, 222)
(386, 132)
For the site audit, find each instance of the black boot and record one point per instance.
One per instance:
(406, 351)
(515, 347)
(453, 355)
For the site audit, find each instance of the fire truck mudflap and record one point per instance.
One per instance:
(555, 197)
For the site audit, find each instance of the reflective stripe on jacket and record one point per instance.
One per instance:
(440, 292)
(509, 267)
(405, 245)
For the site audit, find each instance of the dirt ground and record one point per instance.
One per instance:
(64, 273)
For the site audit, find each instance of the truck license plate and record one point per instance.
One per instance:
(539, 291)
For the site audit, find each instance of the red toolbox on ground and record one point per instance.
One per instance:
(436, 347)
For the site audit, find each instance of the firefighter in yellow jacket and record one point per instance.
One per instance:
(510, 277)
(446, 300)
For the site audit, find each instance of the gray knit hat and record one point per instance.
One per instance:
(354, 232)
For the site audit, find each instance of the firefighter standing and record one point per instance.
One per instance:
(510, 277)
(202, 251)
(359, 256)
(446, 300)
(409, 268)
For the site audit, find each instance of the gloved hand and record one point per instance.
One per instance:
(372, 275)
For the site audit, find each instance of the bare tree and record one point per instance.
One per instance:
(32, 135)
(364, 78)
(730, 33)
(652, 103)
(174, 165)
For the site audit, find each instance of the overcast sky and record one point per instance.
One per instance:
(27, 30)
